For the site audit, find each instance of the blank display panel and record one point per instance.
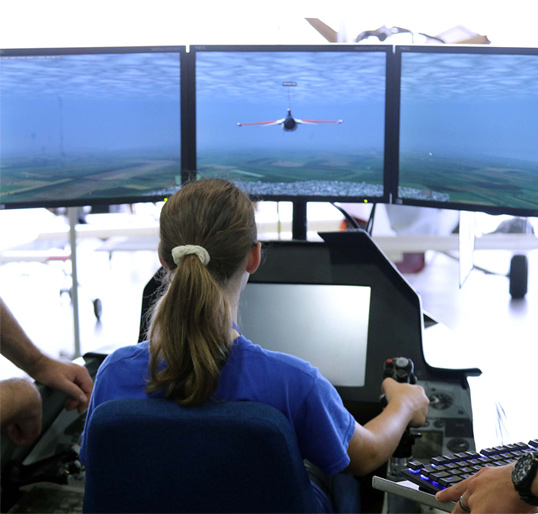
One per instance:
(468, 129)
(326, 325)
(89, 126)
(293, 122)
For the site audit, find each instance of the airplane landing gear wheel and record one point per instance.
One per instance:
(98, 308)
(519, 274)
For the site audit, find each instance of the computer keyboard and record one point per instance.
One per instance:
(446, 470)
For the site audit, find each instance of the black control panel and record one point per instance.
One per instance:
(449, 425)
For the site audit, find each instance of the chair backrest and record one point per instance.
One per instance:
(156, 456)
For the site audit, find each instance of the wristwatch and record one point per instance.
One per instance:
(523, 476)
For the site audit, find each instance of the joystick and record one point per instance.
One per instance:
(402, 370)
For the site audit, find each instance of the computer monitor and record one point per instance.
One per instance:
(324, 324)
(89, 126)
(467, 128)
(294, 122)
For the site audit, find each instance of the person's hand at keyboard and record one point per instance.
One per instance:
(490, 490)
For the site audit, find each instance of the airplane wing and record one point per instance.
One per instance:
(266, 123)
(317, 121)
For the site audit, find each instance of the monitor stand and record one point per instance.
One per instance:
(299, 224)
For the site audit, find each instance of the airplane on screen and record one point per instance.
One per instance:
(289, 123)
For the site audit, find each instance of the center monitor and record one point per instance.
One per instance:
(294, 122)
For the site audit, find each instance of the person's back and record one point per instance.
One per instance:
(195, 354)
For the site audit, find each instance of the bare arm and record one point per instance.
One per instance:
(16, 345)
(65, 376)
(374, 443)
(490, 490)
(20, 411)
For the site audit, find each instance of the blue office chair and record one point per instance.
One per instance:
(156, 456)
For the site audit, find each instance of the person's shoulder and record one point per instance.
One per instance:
(126, 353)
(273, 358)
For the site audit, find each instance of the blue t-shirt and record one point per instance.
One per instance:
(322, 424)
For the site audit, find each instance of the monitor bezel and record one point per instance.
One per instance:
(396, 90)
(390, 112)
(181, 50)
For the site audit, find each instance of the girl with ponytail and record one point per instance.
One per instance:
(195, 354)
(208, 241)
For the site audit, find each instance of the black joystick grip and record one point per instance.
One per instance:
(400, 369)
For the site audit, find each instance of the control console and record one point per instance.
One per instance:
(449, 425)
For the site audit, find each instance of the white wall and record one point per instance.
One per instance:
(72, 23)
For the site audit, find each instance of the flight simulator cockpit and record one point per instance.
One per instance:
(340, 304)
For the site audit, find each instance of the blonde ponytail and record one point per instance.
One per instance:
(207, 229)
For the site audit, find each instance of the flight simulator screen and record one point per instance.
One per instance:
(468, 130)
(326, 325)
(285, 124)
(82, 127)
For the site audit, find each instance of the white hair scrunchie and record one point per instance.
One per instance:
(181, 251)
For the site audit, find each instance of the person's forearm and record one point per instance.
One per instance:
(70, 378)
(15, 344)
(374, 443)
(388, 428)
